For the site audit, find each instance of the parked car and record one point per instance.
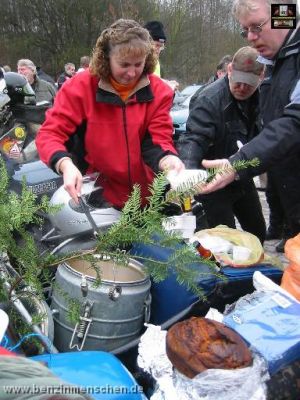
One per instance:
(179, 114)
(189, 90)
(184, 94)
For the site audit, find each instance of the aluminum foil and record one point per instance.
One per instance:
(242, 384)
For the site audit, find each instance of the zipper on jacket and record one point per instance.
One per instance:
(127, 146)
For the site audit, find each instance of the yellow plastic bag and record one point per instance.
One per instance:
(291, 276)
(237, 238)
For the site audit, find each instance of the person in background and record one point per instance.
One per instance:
(277, 145)
(44, 91)
(84, 63)
(125, 110)
(221, 69)
(7, 68)
(156, 30)
(224, 117)
(68, 73)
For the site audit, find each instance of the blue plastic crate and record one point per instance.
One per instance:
(101, 371)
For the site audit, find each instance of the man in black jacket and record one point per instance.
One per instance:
(278, 144)
(223, 118)
(67, 74)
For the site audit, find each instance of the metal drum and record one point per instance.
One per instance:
(112, 314)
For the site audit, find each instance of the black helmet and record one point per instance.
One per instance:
(18, 88)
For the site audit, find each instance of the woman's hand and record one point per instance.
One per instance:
(170, 162)
(72, 178)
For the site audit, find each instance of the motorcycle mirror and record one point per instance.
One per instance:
(4, 98)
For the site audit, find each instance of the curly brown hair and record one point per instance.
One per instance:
(135, 39)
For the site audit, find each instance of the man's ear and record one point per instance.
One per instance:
(229, 69)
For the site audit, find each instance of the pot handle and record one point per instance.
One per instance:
(147, 308)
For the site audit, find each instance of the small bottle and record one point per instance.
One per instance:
(203, 252)
(186, 205)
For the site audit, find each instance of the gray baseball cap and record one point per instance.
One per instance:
(245, 67)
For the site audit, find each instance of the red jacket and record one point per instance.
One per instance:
(123, 141)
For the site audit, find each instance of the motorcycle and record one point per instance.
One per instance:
(20, 119)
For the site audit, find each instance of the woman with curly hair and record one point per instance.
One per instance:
(123, 110)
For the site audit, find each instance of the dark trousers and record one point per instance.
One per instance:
(277, 218)
(238, 200)
(286, 182)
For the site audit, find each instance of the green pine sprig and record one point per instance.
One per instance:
(193, 185)
(137, 224)
(17, 213)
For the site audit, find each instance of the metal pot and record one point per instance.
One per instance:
(112, 314)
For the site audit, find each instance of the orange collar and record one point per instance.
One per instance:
(123, 90)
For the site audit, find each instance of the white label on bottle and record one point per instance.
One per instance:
(281, 301)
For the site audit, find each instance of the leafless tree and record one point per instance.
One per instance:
(53, 32)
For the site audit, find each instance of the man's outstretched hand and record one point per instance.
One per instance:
(226, 175)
